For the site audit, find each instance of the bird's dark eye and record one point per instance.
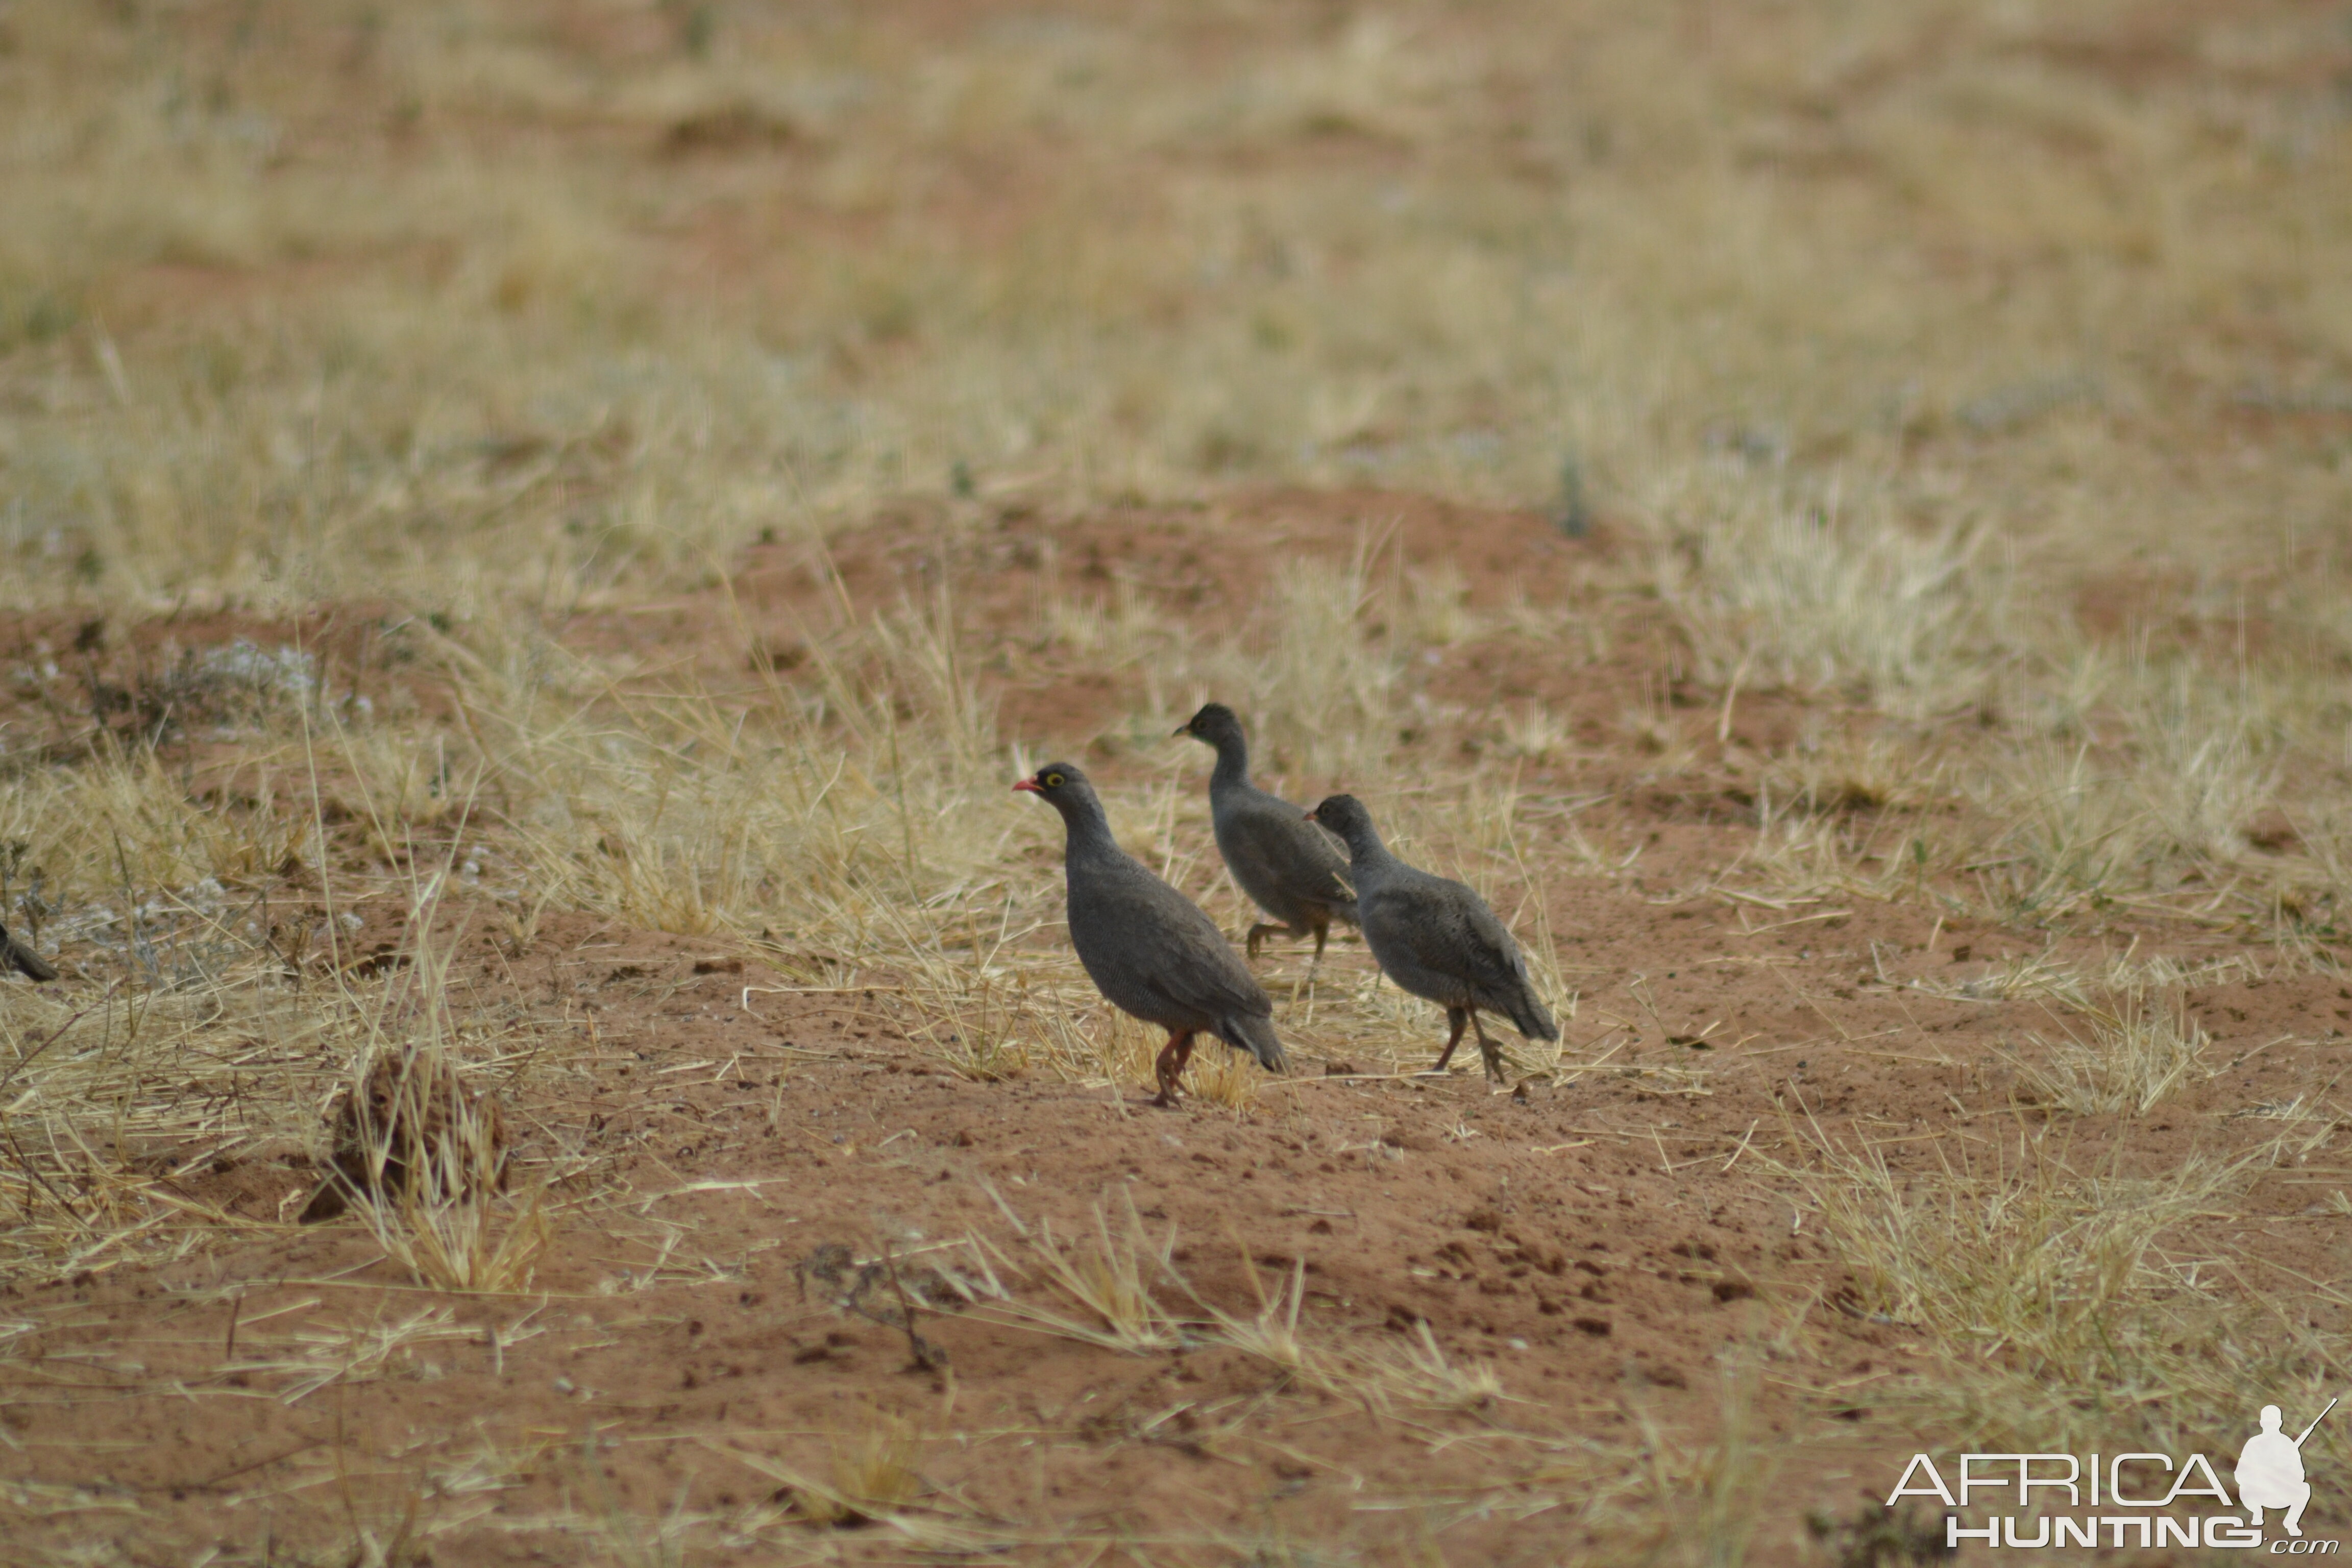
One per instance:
(1054, 780)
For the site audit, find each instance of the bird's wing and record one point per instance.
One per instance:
(1199, 968)
(1498, 954)
(1301, 856)
(1178, 953)
(1202, 973)
(1449, 929)
(1502, 981)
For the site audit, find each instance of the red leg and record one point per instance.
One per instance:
(1460, 1018)
(1260, 932)
(1170, 1066)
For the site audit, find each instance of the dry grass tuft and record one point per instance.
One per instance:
(870, 1473)
(2131, 1052)
(421, 1151)
(831, 817)
(411, 1127)
(1417, 1374)
(1832, 597)
(871, 1476)
(425, 1158)
(1728, 1478)
(1271, 1333)
(1114, 1278)
(1224, 1078)
(2029, 1259)
(1328, 688)
(2056, 1299)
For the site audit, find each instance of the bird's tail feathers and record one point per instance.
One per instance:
(1531, 1018)
(1256, 1034)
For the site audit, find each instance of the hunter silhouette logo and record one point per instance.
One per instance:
(2119, 1500)
(2270, 1471)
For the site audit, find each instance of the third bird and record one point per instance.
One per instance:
(1436, 939)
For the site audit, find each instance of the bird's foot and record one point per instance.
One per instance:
(1168, 1070)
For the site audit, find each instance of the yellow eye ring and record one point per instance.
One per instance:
(1054, 780)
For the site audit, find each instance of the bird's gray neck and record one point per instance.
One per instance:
(1088, 828)
(1365, 850)
(1233, 763)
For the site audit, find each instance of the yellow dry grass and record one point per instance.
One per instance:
(2055, 1290)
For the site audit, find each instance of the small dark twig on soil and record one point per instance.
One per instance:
(853, 1285)
(928, 1357)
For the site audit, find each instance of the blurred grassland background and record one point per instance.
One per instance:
(1941, 360)
(446, 299)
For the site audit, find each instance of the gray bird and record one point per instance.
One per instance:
(1290, 869)
(1436, 939)
(1146, 947)
(17, 954)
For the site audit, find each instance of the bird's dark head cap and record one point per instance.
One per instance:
(1342, 814)
(1212, 723)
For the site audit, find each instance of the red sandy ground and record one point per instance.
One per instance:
(1601, 1241)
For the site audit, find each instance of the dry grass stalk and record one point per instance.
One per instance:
(1116, 1276)
(1719, 1486)
(310, 1359)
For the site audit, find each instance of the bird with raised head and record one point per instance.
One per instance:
(1291, 869)
(1146, 947)
(1436, 939)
